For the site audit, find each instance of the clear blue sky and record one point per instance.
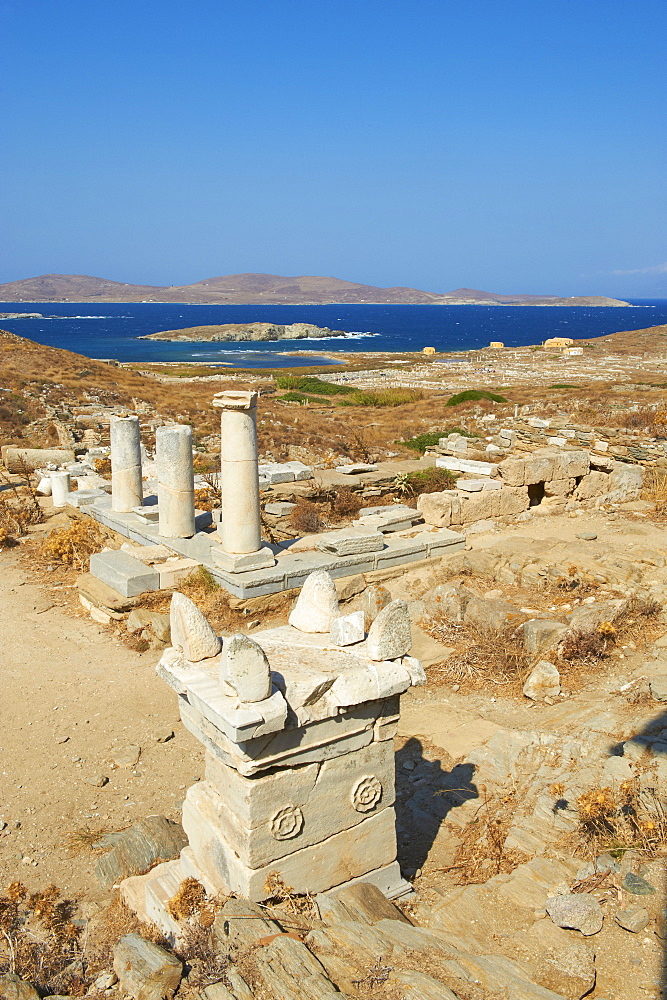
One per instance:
(513, 146)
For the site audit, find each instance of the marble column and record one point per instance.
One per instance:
(126, 487)
(240, 527)
(175, 488)
(60, 487)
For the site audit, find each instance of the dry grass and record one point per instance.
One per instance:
(481, 853)
(630, 817)
(655, 490)
(73, 545)
(485, 656)
(82, 840)
(19, 508)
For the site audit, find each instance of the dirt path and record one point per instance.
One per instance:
(70, 699)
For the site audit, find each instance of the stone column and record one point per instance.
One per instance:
(126, 488)
(240, 527)
(175, 488)
(60, 487)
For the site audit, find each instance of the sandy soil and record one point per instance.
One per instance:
(71, 698)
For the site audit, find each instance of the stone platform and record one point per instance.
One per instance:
(394, 548)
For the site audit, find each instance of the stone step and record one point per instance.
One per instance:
(124, 573)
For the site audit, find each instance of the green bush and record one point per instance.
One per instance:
(310, 383)
(430, 438)
(563, 385)
(413, 484)
(299, 397)
(474, 396)
(382, 397)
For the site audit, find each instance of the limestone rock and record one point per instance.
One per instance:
(543, 682)
(373, 600)
(145, 971)
(541, 633)
(568, 970)
(190, 631)
(579, 911)
(390, 635)
(135, 849)
(632, 918)
(348, 629)
(246, 669)
(317, 604)
(12, 987)
(658, 687)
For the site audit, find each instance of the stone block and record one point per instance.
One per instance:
(478, 506)
(135, 849)
(356, 469)
(540, 634)
(267, 817)
(274, 472)
(101, 595)
(440, 509)
(351, 541)
(559, 487)
(245, 562)
(512, 500)
(570, 464)
(174, 570)
(121, 572)
(341, 857)
(279, 509)
(593, 484)
(348, 629)
(513, 471)
(15, 459)
(145, 971)
(320, 740)
(301, 471)
(538, 469)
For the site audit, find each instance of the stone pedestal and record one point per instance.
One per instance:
(175, 490)
(60, 487)
(240, 533)
(299, 783)
(126, 485)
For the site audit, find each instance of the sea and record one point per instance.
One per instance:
(110, 330)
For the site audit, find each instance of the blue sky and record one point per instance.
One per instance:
(514, 147)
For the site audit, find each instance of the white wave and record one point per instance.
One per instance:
(88, 317)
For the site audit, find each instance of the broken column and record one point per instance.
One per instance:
(60, 487)
(240, 532)
(176, 485)
(126, 486)
(299, 765)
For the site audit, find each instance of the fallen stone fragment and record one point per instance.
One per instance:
(543, 682)
(163, 735)
(568, 970)
(587, 536)
(145, 971)
(373, 600)
(658, 687)
(98, 780)
(317, 604)
(127, 756)
(190, 631)
(246, 669)
(12, 987)
(632, 918)
(579, 911)
(137, 848)
(637, 885)
(348, 629)
(390, 635)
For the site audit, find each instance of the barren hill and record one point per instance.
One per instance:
(259, 288)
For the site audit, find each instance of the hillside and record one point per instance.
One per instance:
(259, 288)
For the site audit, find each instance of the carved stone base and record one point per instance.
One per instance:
(232, 562)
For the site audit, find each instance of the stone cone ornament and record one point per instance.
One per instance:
(190, 631)
(317, 604)
(390, 635)
(245, 668)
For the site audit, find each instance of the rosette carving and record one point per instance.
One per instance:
(366, 793)
(286, 823)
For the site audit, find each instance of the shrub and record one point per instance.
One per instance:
(382, 397)
(74, 545)
(346, 502)
(310, 383)
(630, 817)
(298, 397)
(413, 484)
(474, 396)
(305, 518)
(430, 438)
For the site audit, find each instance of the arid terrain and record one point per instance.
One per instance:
(513, 789)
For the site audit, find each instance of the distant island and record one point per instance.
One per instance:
(269, 289)
(246, 331)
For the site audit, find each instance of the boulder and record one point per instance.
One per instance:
(12, 987)
(492, 614)
(145, 971)
(632, 918)
(543, 682)
(541, 633)
(568, 970)
(576, 910)
(440, 509)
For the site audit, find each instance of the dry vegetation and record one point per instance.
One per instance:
(616, 820)
(73, 545)
(19, 507)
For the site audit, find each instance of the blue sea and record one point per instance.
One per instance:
(109, 330)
